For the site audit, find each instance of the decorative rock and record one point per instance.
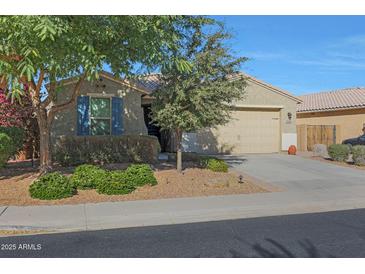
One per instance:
(217, 182)
(320, 150)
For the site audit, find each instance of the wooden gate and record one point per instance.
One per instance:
(309, 135)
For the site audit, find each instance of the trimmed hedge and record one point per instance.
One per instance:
(116, 184)
(339, 152)
(113, 182)
(56, 186)
(17, 136)
(214, 164)
(52, 186)
(6, 148)
(88, 176)
(74, 150)
(358, 155)
(140, 175)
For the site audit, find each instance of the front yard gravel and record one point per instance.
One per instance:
(171, 184)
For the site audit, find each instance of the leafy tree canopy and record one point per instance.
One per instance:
(201, 97)
(56, 47)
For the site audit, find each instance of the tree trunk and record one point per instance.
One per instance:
(45, 163)
(178, 150)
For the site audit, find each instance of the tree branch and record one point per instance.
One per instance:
(51, 93)
(37, 89)
(11, 57)
(56, 108)
(40, 81)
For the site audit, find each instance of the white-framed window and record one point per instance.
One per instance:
(100, 115)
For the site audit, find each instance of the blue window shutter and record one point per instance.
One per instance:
(83, 126)
(117, 116)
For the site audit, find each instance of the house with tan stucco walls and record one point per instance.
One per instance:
(264, 121)
(343, 109)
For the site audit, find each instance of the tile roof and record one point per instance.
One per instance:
(332, 100)
(152, 81)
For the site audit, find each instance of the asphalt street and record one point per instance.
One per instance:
(332, 234)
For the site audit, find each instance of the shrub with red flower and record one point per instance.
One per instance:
(14, 114)
(20, 114)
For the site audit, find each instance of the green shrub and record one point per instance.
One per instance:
(52, 186)
(75, 150)
(6, 148)
(88, 176)
(214, 164)
(139, 175)
(339, 152)
(358, 155)
(17, 136)
(116, 184)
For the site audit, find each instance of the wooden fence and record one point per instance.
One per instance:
(309, 135)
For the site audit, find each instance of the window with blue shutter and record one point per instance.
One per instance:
(83, 126)
(117, 116)
(100, 115)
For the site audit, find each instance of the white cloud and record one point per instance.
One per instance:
(330, 63)
(355, 40)
(263, 55)
(343, 55)
(347, 53)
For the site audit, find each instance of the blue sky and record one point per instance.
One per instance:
(302, 54)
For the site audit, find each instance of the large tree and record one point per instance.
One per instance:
(41, 50)
(192, 100)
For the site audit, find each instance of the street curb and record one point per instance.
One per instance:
(196, 216)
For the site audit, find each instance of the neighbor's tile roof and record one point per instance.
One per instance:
(150, 82)
(333, 100)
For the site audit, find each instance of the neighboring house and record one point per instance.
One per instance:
(263, 122)
(344, 109)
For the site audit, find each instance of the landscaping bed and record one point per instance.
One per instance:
(309, 155)
(15, 182)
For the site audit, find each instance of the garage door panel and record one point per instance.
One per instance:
(251, 132)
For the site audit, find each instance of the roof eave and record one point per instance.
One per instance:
(275, 89)
(331, 109)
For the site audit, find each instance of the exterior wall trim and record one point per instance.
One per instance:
(334, 112)
(274, 107)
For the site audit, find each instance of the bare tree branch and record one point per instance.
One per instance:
(40, 81)
(36, 88)
(56, 108)
(51, 93)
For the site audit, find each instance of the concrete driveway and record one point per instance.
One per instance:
(294, 173)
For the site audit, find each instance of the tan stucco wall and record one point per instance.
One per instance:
(349, 121)
(65, 122)
(256, 94)
(257, 98)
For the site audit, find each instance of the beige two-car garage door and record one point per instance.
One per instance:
(251, 131)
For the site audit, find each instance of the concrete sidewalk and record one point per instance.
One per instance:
(176, 211)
